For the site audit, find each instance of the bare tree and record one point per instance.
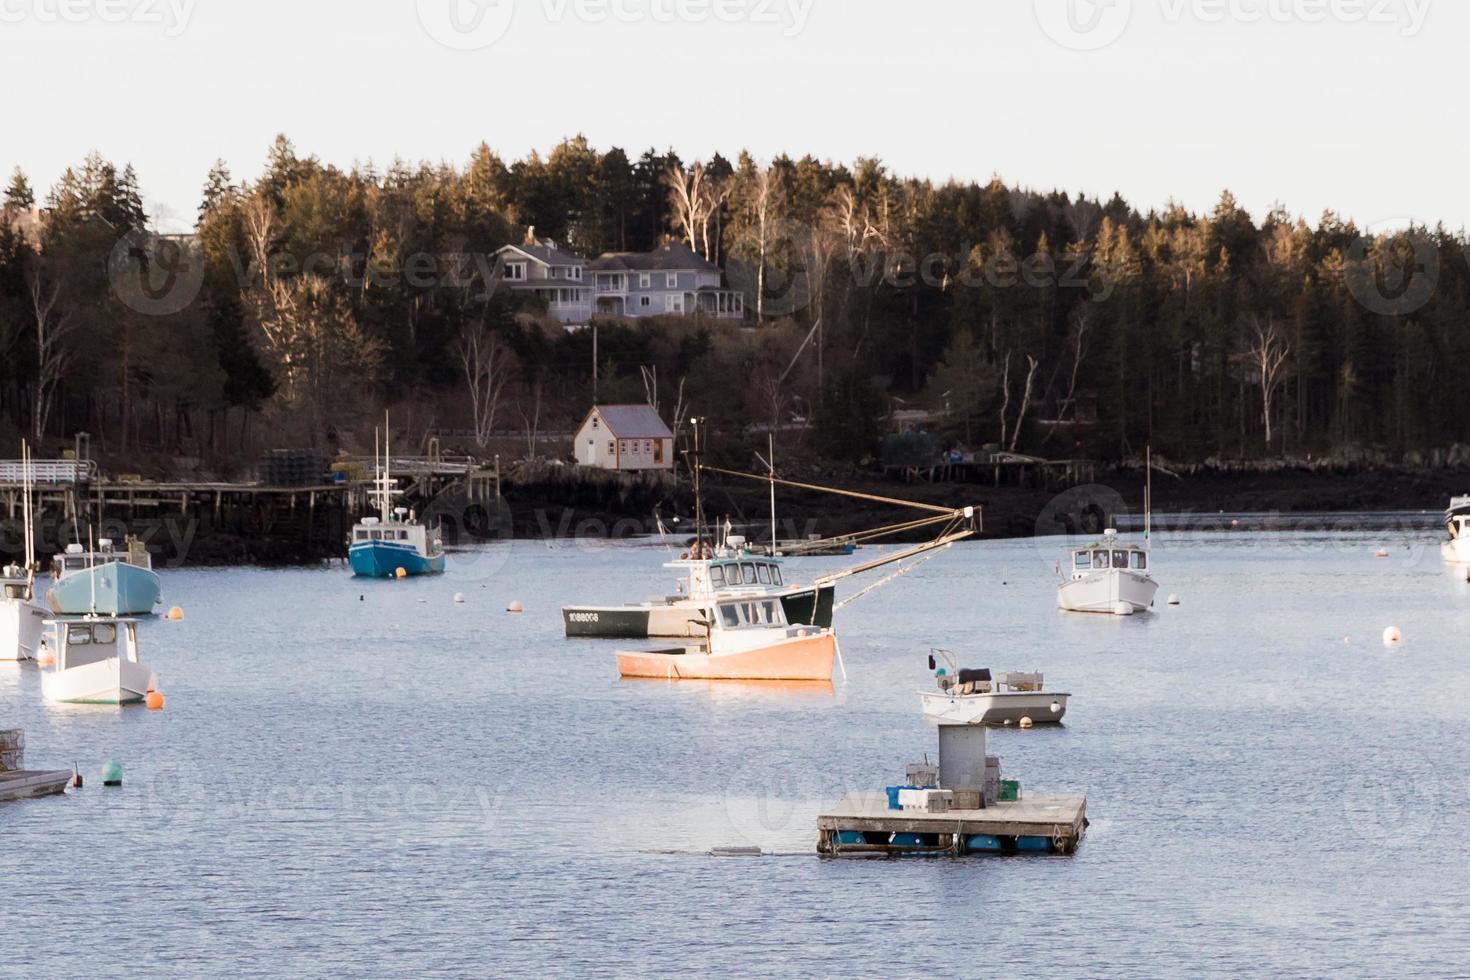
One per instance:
(533, 420)
(1080, 323)
(1031, 365)
(764, 201)
(52, 355)
(695, 198)
(1267, 358)
(484, 359)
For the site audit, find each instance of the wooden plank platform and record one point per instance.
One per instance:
(26, 783)
(1059, 820)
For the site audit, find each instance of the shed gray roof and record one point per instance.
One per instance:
(633, 421)
(673, 257)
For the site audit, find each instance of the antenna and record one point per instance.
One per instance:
(1148, 492)
(387, 468)
(771, 463)
(698, 499)
(92, 567)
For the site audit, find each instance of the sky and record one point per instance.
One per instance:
(1352, 105)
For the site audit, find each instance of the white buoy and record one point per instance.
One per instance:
(459, 597)
(1173, 600)
(1122, 609)
(1026, 723)
(1056, 706)
(1392, 637)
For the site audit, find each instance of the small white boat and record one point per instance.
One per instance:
(96, 663)
(747, 639)
(973, 697)
(1109, 577)
(22, 620)
(1457, 521)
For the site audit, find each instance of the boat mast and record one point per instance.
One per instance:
(698, 499)
(28, 481)
(771, 463)
(1148, 492)
(387, 469)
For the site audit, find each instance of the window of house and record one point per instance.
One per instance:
(671, 304)
(671, 280)
(611, 446)
(515, 270)
(645, 301)
(577, 272)
(594, 421)
(645, 280)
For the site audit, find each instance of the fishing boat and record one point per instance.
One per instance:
(746, 639)
(22, 621)
(707, 574)
(973, 697)
(1108, 576)
(96, 663)
(1457, 522)
(394, 543)
(107, 581)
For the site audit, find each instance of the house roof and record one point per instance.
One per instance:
(671, 257)
(632, 421)
(547, 252)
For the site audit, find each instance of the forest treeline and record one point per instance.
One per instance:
(310, 297)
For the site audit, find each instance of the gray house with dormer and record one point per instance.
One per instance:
(671, 280)
(544, 269)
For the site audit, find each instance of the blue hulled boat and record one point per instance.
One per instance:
(393, 543)
(107, 582)
(381, 547)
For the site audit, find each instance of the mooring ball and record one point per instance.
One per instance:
(459, 598)
(175, 614)
(1392, 637)
(515, 607)
(1382, 553)
(1173, 600)
(112, 774)
(1026, 722)
(1056, 706)
(154, 700)
(401, 573)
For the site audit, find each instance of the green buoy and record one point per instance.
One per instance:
(112, 774)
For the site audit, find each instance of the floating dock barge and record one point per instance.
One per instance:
(19, 783)
(862, 825)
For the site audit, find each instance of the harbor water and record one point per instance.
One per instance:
(368, 778)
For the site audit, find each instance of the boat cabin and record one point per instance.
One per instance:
(15, 583)
(751, 614)
(1109, 555)
(76, 559)
(409, 534)
(708, 576)
(1457, 518)
(89, 641)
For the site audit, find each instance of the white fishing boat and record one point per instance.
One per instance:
(746, 639)
(22, 620)
(96, 663)
(973, 697)
(1110, 576)
(1457, 522)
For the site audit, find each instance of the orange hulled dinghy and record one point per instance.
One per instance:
(748, 639)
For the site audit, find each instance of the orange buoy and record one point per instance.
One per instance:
(1392, 637)
(154, 700)
(46, 658)
(515, 607)
(176, 614)
(401, 573)
(1381, 553)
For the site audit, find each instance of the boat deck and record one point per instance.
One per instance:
(26, 783)
(862, 825)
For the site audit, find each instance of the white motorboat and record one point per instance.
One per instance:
(973, 697)
(1457, 522)
(1109, 577)
(22, 620)
(96, 663)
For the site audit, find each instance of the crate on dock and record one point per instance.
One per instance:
(1010, 790)
(968, 799)
(926, 800)
(922, 774)
(12, 738)
(12, 760)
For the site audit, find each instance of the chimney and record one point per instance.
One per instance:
(530, 235)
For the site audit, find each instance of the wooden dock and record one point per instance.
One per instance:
(862, 825)
(27, 783)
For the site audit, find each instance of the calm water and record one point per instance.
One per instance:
(398, 784)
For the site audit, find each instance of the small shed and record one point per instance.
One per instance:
(624, 437)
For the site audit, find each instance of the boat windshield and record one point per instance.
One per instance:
(1140, 560)
(752, 614)
(717, 575)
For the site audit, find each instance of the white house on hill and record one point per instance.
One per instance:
(543, 268)
(624, 437)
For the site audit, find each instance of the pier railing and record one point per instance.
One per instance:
(48, 472)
